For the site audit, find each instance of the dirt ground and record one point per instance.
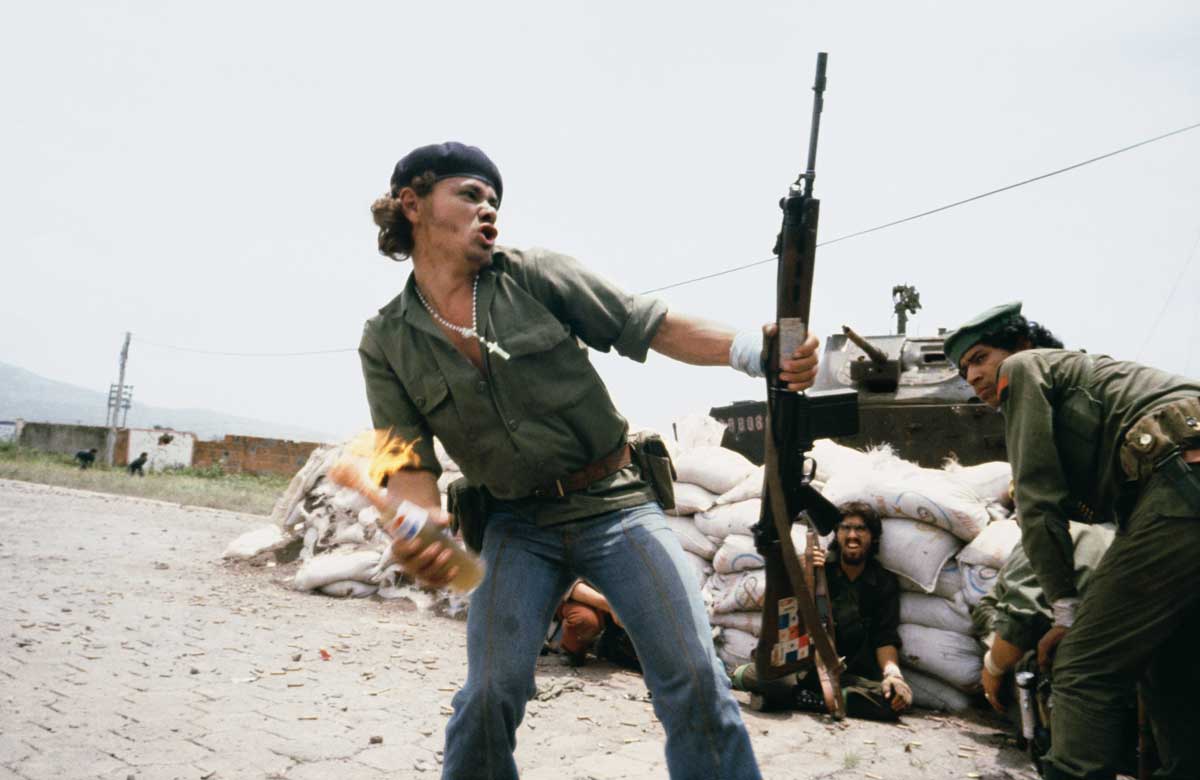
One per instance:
(133, 651)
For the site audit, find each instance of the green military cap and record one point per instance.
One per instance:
(967, 336)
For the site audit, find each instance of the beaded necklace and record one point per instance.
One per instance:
(467, 333)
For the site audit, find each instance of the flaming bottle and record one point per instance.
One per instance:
(410, 520)
(404, 521)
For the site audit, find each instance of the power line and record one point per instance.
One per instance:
(945, 207)
(247, 354)
(771, 259)
(1187, 264)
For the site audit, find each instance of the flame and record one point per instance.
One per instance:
(384, 453)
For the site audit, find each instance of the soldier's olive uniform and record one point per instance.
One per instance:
(1072, 420)
(515, 427)
(1015, 609)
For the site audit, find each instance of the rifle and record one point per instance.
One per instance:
(794, 618)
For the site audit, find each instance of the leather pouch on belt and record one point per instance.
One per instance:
(652, 458)
(468, 508)
(1157, 434)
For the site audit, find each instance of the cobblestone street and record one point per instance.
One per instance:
(133, 651)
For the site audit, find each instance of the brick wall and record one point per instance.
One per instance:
(252, 455)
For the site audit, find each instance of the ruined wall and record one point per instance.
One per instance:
(10, 430)
(166, 449)
(253, 455)
(67, 439)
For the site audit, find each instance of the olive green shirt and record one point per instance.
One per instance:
(1065, 416)
(523, 422)
(1015, 609)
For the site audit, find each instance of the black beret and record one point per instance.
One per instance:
(445, 160)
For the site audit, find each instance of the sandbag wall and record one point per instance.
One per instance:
(342, 550)
(946, 534)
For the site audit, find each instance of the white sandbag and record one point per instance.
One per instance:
(698, 430)
(348, 589)
(750, 622)
(738, 646)
(348, 533)
(750, 487)
(690, 499)
(916, 550)
(721, 521)
(692, 538)
(702, 568)
(741, 592)
(931, 693)
(348, 500)
(737, 553)
(920, 494)
(977, 582)
(336, 566)
(260, 540)
(950, 657)
(715, 469)
(993, 546)
(833, 458)
(319, 461)
(924, 610)
(949, 581)
(990, 481)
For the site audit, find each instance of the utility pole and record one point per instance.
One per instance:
(115, 403)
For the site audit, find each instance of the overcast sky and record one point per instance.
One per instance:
(200, 174)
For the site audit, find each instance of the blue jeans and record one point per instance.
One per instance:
(634, 559)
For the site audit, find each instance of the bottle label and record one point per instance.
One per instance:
(409, 521)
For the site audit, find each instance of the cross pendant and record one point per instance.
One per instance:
(495, 349)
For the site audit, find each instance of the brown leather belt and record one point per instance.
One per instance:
(593, 472)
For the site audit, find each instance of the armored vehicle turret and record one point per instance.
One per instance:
(909, 396)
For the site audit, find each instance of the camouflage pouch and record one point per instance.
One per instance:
(468, 507)
(1158, 434)
(654, 461)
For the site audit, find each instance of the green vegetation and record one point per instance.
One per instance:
(208, 487)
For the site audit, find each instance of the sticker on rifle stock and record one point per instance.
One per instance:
(792, 646)
(790, 652)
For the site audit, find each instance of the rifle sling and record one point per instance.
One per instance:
(783, 524)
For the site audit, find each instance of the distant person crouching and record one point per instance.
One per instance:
(135, 466)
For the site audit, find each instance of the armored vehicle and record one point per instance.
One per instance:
(909, 397)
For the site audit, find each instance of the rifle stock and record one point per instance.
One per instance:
(792, 622)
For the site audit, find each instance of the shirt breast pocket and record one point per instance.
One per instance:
(433, 400)
(548, 366)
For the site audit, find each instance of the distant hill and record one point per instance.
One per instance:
(36, 398)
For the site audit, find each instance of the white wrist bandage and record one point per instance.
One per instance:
(990, 665)
(891, 670)
(745, 354)
(1064, 611)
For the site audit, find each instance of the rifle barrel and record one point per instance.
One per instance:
(810, 173)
